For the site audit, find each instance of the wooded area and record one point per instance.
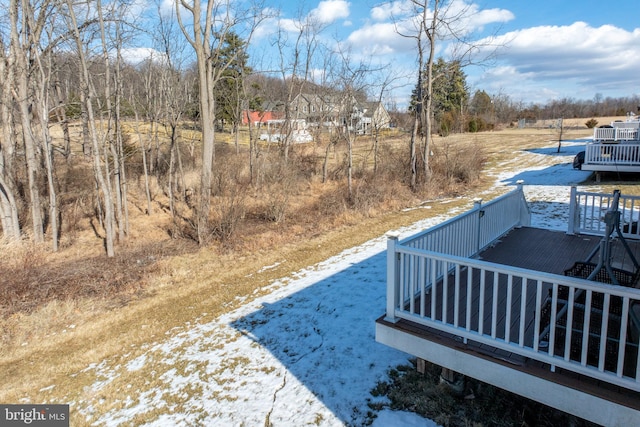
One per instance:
(84, 128)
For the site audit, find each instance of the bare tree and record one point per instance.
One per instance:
(351, 81)
(100, 167)
(27, 70)
(382, 86)
(296, 64)
(21, 47)
(173, 89)
(112, 139)
(431, 22)
(208, 29)
(8, 204)
(43, 65)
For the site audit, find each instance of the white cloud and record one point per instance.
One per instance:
(136, 55)
(329, 11)
(326, 13)
(387, 11)
(290, 25)
(576, 61)
(380, 38)
(390, 19)
(595, 55)
(481, 18)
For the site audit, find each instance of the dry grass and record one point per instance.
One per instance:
(67, 310)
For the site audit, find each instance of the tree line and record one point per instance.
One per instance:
(458, 109)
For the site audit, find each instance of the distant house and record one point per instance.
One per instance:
(317, 109)
(269, 111)
(326, 111)
(254, 117)
(331, 111)
(615, 147)
(374, 116)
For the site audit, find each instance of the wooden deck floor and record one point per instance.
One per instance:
(553, 251)
(535, 249)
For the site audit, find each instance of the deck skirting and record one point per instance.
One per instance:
(587, 400)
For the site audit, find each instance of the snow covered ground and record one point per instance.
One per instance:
(304, 354)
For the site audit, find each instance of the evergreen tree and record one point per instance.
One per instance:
(233, 58)
(450, 95)
(482, 112)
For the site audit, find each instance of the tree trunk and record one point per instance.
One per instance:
(325, 163)
(33, 164)
(8, 207)
(110, 147)
(42, 98)
(9, 211)
(172, 163)
(252, 144)
(61, 115)
(91, 123)
(143, 151)
(122, 171)
(350, 165)
(412, 152)
(53, 201)
(560, 135)
(86, 137)
(376, 140)
(22, 99)
(427, 97)
(200, 39)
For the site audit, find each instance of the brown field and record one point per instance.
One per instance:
(109, 308)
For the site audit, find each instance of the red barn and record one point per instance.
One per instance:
(259, 116)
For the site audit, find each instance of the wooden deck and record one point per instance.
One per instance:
(546, 250)
(530, 248)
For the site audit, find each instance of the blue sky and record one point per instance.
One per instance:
(550, 49)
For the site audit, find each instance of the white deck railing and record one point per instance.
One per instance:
(469, 233)
(621, 154)
(496, 309)
(587, 210)
(616, 134)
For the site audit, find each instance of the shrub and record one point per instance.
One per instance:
(476, 124)
(446, 124)
(591, 123)
(457, 164)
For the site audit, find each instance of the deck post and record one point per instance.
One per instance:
(392, 278)
(525, 213)
(573, 211)
(477, 206)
